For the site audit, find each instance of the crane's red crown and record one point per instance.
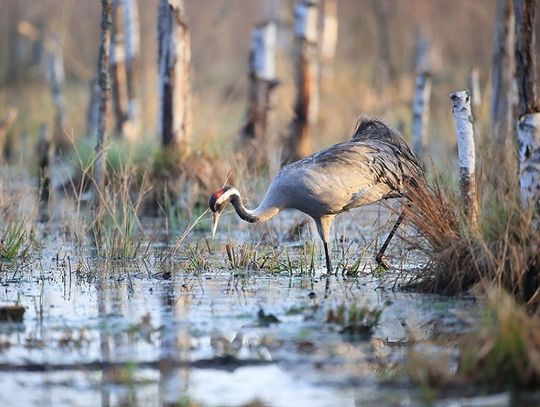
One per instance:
(215, 196)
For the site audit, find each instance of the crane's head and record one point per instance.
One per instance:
(217, 203)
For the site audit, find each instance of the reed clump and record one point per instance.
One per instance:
(501, 249)
(116, 228)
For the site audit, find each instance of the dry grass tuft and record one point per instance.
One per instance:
(501, 250)
(505, 350)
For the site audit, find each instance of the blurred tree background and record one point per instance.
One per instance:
(460, 33)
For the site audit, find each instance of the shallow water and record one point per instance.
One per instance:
(161, 331)
(120, 334)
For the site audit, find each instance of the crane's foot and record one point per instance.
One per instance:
(381, 261)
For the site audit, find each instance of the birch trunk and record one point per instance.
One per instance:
(420, 119)
(502, 79)
(474, 85)
(55, 76)
(329, 37)
(92, 112)
(174, 64)
(306, 107)
(132, 41)
(529, 121)
(253, 139)
(422, 54)
(529, 164)
(44, 153)
(524, 11)
(118, 69)
(5, 123)
(104, 91)
(384, 71)
(463, 120)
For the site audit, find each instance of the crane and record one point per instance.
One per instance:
(375, 165)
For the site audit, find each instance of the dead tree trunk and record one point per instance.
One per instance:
(174, 64)
(44, 153)
(55, 77)
(502, 80)
(529, 122)
(524, 11)
(124, 50)
(422, 95)
(253, 140)
(329, 37)
(384, 71)
(132, 37)
(422, 54)
(5, 123)
(92, 111)
(463, 119)
(299, 143)
(118, 69)
(420, 119)
(104, 91)
(475, 89)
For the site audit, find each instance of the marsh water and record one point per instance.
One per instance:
(193, 322)
(153, 333)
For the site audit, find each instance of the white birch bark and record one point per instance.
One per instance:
(132, 40)
(329, 38)
(422, 54)
(529, 108)
(463, 120)
(420, 119)
(174, 65)
(131, 29)
(476, 92)
(263, 51)
(306, 107)
(253, 139)
(55, 77)
(307, 65)
(104, 91)
(528, 130)
(117, 62)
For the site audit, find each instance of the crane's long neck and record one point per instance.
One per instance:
(262, 213)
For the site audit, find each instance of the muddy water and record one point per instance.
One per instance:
(144, 333)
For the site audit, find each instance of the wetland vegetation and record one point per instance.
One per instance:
(112, 290)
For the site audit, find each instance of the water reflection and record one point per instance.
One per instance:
(127, 339)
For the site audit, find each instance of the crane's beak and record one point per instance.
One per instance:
(215, 221)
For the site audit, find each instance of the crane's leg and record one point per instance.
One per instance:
(323, 227)
(328, 270)
(380, 259)
(328, 261)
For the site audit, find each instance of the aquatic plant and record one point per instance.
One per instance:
(14, 241)
(198, 257)
(354, 319)
(241, 257)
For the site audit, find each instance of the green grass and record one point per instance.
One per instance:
(14, 242)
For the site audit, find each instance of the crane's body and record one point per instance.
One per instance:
(376, 164)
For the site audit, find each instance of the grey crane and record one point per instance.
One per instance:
(376, 164)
